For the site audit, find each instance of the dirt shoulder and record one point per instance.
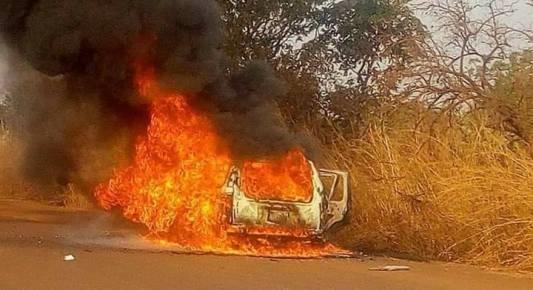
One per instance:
(109, 255)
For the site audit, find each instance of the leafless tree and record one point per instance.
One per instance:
(455, 70)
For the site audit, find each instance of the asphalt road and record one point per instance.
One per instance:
(34, 240)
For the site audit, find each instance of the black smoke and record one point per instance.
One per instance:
(80, 114)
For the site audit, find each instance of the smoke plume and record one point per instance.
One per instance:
(77, 109)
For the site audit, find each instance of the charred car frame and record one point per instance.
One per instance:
(328, 206)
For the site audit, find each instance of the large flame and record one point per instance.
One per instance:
(287, 178)
(174, 184)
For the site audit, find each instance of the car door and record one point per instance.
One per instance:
(337, 196)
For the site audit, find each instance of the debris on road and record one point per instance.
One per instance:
(69, 258)
(391, 268)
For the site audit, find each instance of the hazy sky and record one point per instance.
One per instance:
(523, 16)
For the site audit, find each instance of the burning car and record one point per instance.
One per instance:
(326, 205)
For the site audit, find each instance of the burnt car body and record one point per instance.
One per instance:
(328, 206)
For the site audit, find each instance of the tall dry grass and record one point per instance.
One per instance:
(459, 194)
(11, 185)
(73, 198)
(14, 186)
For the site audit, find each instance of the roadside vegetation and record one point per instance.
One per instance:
(458, 194)
(13, 185)
(9, 185)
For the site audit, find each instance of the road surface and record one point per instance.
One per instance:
(34, 240)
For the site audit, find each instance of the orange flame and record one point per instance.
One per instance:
(173, 187)
(288, 178)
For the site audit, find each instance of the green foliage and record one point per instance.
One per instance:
(273, 31)
(511, 99)
(259, 29)
(362, 33)
(325, 50)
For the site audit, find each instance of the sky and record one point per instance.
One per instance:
(522, 17)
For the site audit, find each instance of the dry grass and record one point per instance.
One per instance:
(460, 195)
(13, 186)
(75, 199)
(10, 184)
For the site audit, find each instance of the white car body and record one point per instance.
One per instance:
(315, 217)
